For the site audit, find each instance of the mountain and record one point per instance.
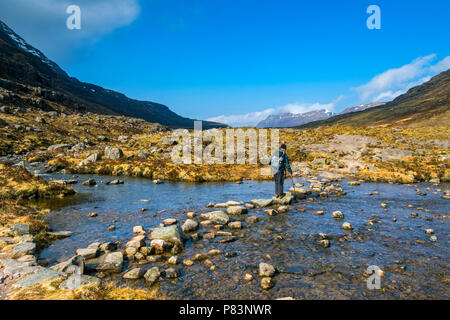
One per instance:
(286, 120)
(361, 107)
(28, 77)
(425, 105)
(291, 119)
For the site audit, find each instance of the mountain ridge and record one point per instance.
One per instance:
(25, 68)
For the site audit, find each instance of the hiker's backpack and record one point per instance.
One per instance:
(277, 161)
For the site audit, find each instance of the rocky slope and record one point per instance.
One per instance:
(424, 105)
(28, 78)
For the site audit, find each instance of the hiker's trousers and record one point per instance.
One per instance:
(279, 181)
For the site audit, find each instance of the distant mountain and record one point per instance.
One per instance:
(286, 120)
(424, 105)
(291, 120)
(361, 107)
(30, 78)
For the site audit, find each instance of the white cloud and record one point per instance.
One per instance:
(252, 118)
(394, 82)
(43, 23)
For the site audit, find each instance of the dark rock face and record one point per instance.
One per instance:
(22, 65)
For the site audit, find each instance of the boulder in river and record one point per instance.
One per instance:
(189, 226)
(262, 202)
(113, 262)
(114, 182)
(171, 234)
(218, 217)
(152, 275)
(338, 215)
(60, 234)
(87, 253)
(236, 210)
(266, 283)
(285, 200)
(135, 273)
(138, 230)
(235, 225)
(347, 226)
(89, 183)
(266, 270)
(171, 273)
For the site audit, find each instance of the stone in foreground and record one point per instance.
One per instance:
(218, 217)
(171, 234)
(76, 281)
(266, 270)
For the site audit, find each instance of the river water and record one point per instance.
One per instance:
(414, 266)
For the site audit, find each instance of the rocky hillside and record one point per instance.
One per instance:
(424, 105)
(28, 78)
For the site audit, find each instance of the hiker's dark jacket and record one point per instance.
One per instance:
(284, 162)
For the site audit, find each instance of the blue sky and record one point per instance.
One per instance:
(239, 61)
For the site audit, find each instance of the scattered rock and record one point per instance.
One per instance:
(266, 283)
(135, 273)
(39, 275)
(325, 243)
(252, 219)
(171, 273)
(114, 182)
(347, 226)
(74, 265)
(218, 217)
(24, 248)
(236, 210)
(262, 202)
(138, 230)
(271, 212)
(173, 260)
(248, 277)
(429, 231)
(235, 225)
(20, 229)
(113, 262)
(76, 281)
(152, 275)
(112, 153)
(87, 253)
(169, 222)
(189, 226)
(338, 215)
(171, 234)
(191, 215)
(60, 234)
(266, 270)
(90, 183)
